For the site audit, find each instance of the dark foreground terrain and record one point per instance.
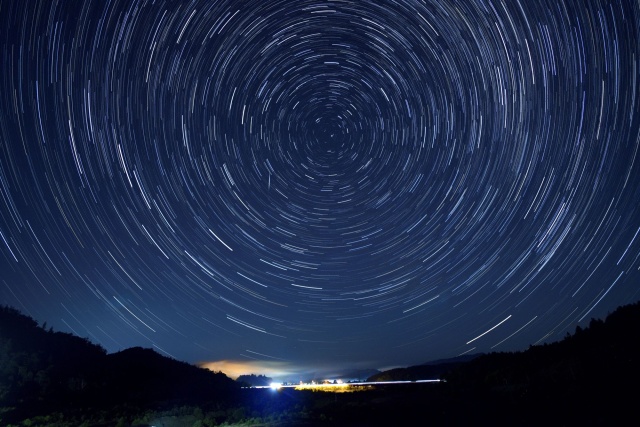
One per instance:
(55, 379)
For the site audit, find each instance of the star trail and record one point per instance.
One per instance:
(335, 182)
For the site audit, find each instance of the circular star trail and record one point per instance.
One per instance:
(302, 181)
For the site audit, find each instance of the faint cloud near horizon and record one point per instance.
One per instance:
(235, 368)
(281, 370)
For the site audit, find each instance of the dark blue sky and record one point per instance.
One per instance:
(311, 183)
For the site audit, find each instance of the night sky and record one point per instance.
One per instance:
(316, 183)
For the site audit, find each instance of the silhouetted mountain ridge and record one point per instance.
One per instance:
(147, 376)
(603, 355)
(427, 371)
(588, 378)
(41, 370)
(605, 348)
(253, 380)
(458, 359)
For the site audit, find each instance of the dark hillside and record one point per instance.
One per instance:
(43, 371)
(144, 376)
(427, 371)
(38, 365)
(605, 353)
(590, 376)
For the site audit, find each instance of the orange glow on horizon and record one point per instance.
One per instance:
(235, 368)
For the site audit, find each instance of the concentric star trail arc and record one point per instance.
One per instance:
(356, 182)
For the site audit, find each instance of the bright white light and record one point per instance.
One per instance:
(275, 386)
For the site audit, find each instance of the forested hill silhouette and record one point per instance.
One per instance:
(605, 354)
(253, 380)
(427, 371)
(590, 377)
(53, 378)
(42, 370)
(603, 351)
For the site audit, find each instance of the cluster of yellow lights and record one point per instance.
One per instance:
(333, 386)
(323, 386)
